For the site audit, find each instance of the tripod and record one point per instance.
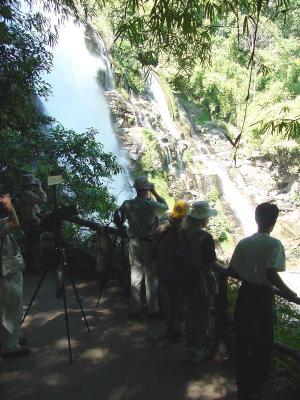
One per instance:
(108, 271)
(61, 290)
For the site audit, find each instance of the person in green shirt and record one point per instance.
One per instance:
(142, 215)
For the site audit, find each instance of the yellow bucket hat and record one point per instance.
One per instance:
(180, 209)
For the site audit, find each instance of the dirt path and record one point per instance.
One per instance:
(117, 360)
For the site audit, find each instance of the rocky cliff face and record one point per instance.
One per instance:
(188, 160)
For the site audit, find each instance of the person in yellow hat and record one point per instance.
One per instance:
(171, 293)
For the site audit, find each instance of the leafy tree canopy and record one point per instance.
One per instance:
(31, 141)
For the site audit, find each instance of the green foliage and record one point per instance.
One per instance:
(160, 180)
(127, 68)
(30, 141)
(78, 158)
(185, 29)
(151, 159)
(23, 57)
(287, 331)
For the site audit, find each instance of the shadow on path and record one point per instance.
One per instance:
(117, 360)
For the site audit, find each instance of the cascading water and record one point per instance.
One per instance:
(78, 100)
(238, 202)
(160, 103)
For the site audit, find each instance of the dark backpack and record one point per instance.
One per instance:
(181, 275)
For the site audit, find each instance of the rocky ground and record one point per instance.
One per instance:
(119, 359)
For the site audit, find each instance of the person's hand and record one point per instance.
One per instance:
(5, 200)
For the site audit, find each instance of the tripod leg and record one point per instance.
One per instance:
(67, 322)
(34, 295)
(78, 300)
(106, 277)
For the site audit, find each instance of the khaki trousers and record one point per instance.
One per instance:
(141, 263)
(11, 310)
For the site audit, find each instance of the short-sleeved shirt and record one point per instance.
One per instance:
(29, 204)
(142, 216)
(254, 255)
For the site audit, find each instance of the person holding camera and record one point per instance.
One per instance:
(11, 283)
(32, 195)
(142, 215)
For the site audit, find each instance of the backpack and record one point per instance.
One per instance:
(183, 275)
(180, 273)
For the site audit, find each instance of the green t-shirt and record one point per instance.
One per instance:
(142, 216)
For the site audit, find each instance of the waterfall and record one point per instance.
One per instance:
(161, 104)
(78, 100)
(234, 197)
(239, 203)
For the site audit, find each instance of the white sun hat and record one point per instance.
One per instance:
(201, 210)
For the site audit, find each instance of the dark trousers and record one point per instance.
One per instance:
(254, 318)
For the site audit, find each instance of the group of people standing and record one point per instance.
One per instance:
(176, 257)
(173, 256)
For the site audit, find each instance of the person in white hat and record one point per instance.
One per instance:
(142, 215)
(199, 259)
(31, 197)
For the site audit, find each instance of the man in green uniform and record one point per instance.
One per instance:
(142, 215)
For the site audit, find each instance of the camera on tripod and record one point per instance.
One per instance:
(54, 219)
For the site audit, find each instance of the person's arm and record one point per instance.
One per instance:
(276, 281)
(157, 196)
(119, 217)
(12, 219)
(41, 195)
